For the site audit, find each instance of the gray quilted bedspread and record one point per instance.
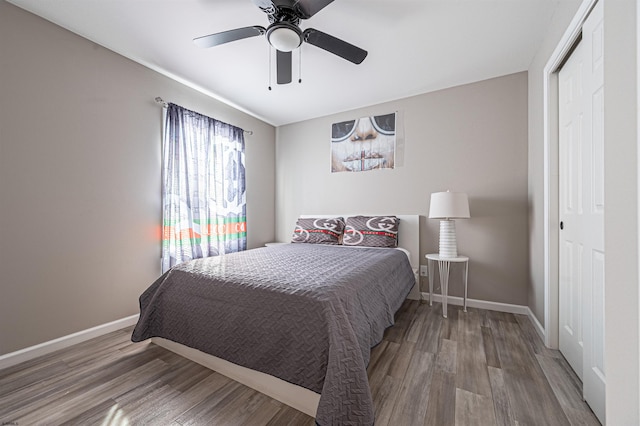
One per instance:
(306, 313)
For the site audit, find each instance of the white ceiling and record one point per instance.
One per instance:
(415, 46)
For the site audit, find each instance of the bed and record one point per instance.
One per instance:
(294, 321)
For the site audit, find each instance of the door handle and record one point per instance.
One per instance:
(561, 225)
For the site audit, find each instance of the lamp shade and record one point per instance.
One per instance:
(449, 205)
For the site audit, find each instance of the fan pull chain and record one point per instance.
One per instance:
(300, 65)
(270, 55)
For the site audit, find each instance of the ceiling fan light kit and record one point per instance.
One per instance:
(285, 35)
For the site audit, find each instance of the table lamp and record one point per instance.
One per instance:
(447, 206)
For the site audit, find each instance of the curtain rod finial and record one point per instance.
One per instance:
(159, 100)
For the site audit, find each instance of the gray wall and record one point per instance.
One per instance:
(471, 138)
(80, 179)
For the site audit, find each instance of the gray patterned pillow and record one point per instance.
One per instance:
(318, 230)
(371, 231)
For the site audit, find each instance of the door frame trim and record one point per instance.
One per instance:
(551, 171)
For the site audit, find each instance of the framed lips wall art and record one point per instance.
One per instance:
(367, 143)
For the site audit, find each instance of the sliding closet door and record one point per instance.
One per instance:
(581, 193)
(571, 250)
(593, 378)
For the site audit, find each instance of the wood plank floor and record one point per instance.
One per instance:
(475, 368)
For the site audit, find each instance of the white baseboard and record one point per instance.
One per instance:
(481, 304)
(493, 306)
(32, 352)
(536, 324)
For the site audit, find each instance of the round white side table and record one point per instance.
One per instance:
(444, 264)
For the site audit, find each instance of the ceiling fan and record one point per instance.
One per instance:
(285, 35)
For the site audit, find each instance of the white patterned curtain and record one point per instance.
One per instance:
(203, 188)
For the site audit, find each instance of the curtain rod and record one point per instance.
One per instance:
(161, 101)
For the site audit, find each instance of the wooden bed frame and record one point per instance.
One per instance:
(300, 398)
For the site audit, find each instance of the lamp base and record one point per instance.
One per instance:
(448, 244)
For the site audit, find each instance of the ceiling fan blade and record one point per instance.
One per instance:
(228, 36)
(307, 8)
(334, 45)
(283, 67)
